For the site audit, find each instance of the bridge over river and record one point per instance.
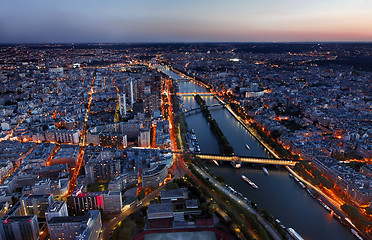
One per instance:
(195, 93)
(258, 160)
(198, 109)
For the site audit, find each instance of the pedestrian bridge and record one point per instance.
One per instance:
(258, 160)
(196, 110)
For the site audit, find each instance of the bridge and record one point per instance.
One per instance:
(196, 110)
(257, 160)
(195, 93)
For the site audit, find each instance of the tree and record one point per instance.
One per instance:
(275, 134)
(141, 195)
(354, 214)
(326, 183)
(171, 185)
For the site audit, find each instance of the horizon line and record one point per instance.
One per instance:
(183, 42)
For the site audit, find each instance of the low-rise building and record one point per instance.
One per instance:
(122, 181)
(113, 202)
(84, 227)
(154, 176)
(82, 203)
(56, 209)
(67, 154)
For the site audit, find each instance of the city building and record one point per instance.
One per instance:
(102, 166)
(83, 202)
(86, 227)
(42, 186)
(160, 211)
(6, 166)
(41, 154)
(63, 136)
(113, 140)
(36, 204)
(67, 154)
(122, 181)
(113, 202)
(19, 227)
(154, 176)
(56, 209)
(144, 138)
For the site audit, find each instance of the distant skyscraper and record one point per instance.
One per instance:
(122, 105)
(131, 93)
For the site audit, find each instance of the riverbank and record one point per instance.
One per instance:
(257, 137)
(290, 199)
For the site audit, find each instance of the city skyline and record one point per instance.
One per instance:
(185, 21)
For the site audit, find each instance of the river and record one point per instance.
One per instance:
(277, 192)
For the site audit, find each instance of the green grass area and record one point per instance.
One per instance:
(98, 186)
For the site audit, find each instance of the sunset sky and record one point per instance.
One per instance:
(56, 21)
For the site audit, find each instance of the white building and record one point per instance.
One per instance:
(113, 202)
(80, 227)
(57, 209)
(144, 138)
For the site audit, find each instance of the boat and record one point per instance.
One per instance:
(247, 146)
(249, 182)
(294, 234)
(301, 184)
(236, 164)
(311, 194)
(338, 217)
(324, 205)
(215, 162)
(356, 234)
(265, 171)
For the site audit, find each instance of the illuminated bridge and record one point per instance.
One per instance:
(258, 160)
(196, 93)
(196, 110)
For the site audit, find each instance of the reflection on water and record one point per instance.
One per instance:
(277, 193)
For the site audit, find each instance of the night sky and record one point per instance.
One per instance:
(83, 21)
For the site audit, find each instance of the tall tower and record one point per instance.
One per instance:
(125, 104)
(122, 105)
(131, 93)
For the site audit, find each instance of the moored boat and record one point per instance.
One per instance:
(249, 182)
(356, 234)
(294, 234)
(236, 164)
